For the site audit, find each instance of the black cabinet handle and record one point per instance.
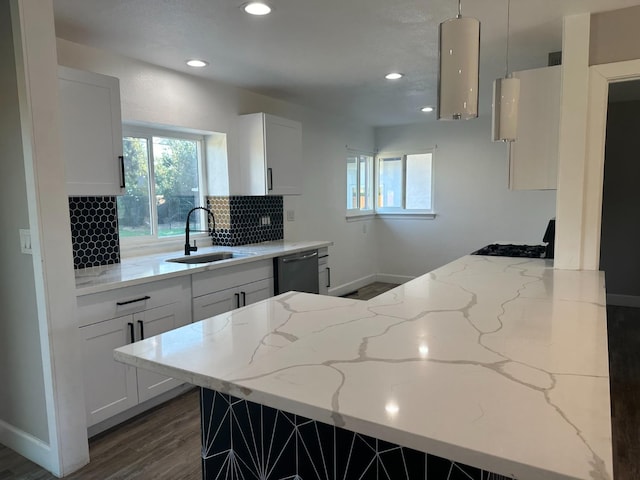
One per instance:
(141, 299)
(237, 295)
(141, 325)
(328, 277)
(244, 299)
(269, 179)
(131, 332)
(123, 182)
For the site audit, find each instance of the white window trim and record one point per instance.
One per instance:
(133, 246)
(397, 212)
(357, 213)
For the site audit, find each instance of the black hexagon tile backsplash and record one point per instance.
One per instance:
(94, 231)
(247, 219)
(239, 220)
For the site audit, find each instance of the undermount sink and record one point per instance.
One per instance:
(207, 257)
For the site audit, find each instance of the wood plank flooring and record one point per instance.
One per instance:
(369, 291)
(165, 443)
(162, 444)
(623, 325)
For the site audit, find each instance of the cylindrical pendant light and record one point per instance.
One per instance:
(459, 68)
(506, 96)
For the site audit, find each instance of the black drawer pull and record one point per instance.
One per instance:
(237, 295)
(141, 299)
(123, 178)
(141, 324)
(131, 332)
(328, 277)
(244, 299)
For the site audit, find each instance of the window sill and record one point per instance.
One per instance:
(356, 217)
(406, 215)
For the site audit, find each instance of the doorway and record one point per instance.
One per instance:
(620, 229)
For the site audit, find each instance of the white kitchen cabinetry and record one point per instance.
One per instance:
(324, 271)
(533, 159)
(220, 291)
(91, 130)
(111, 319)
(269, 156)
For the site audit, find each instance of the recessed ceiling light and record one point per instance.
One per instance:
(393, 76)
(426, 109)
(197, 63)
(257, 8)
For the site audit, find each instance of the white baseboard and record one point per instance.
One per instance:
(390, 278)
(25, 444)
(349, 287)
(623, 300)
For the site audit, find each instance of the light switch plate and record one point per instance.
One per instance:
(291, 215)
(25, 241)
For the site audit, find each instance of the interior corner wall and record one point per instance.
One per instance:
(473, 204)
(157, 95)
(614, 36)
(23, 415)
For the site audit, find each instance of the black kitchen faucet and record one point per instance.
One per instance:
(187, 247)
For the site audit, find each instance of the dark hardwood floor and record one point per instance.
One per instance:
(369, 291)
(162, 444)
(165, 443)
(624, 370)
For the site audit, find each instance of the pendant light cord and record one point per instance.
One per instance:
(459, 9)
(506, 75)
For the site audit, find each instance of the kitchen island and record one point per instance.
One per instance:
(488, 364)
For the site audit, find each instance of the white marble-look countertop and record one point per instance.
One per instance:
(148, 268)
(500, 363)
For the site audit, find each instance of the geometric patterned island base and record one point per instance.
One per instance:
(245, 440)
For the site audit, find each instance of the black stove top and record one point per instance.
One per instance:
(524, 251)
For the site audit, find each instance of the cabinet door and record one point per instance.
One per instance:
(91, 129)
(215, 303)
(255, 291)
(148, 324)
(110, 386)
(283, 145)
(323, 281)
(533, 158)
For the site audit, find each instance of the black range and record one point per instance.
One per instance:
(524, 251)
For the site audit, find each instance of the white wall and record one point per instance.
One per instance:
(22, 397)
(162, 96)
(473, 204)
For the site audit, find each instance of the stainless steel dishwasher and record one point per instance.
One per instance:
(297, 272)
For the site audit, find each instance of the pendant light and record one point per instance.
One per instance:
(459, 68)
(506, 95)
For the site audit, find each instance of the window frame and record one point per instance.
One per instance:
(391, 212)
(132, 243)
(363, 212)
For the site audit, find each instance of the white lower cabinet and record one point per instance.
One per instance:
(220, 291)
(324, 271)
(109, 387)
(112, 387)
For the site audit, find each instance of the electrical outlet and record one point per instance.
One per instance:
(25, 241)
(291, 215)
(266, 220)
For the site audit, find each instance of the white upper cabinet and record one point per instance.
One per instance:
(534, 155)
(268, 157)
(91, 128)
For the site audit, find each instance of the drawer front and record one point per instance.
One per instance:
(203, 283)
(114, 303)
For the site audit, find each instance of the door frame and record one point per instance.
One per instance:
(600, 76)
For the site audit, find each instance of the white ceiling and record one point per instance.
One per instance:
(327, 54)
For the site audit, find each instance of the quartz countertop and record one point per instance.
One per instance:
(148, 268)
(500, 363)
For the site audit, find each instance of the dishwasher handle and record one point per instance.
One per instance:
(299, 258)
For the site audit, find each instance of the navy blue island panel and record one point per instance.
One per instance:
(244, 440)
